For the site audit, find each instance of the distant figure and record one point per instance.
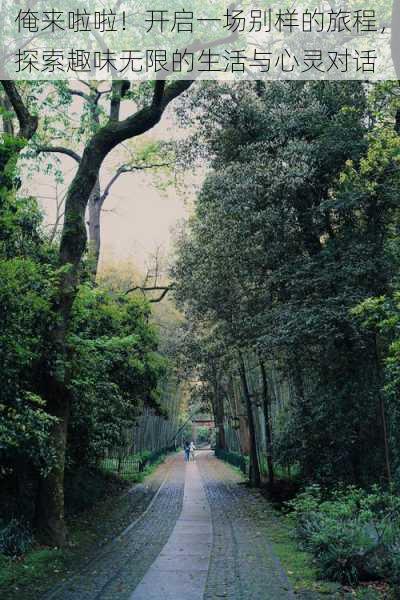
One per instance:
(186, 449)
(192, 449)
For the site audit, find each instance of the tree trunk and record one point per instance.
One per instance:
(385, 438)
(8, 126)
(254, 475)
(94, 225)
(267, 422)
(49, 516)
(219, 417)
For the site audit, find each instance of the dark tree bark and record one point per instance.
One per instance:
(382, 410)
(94, 225)
(255, 475)
(219, 415)
(28, 124)
(8, 125)
(98, 196)
(267, 421)
(49, 510)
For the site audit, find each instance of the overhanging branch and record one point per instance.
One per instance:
(59, 150)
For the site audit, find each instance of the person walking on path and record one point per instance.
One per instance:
(187, 451)
(192, 449)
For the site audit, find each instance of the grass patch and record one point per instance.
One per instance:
(31, 575)
(131, 474)
(129, 469)
(298, 564)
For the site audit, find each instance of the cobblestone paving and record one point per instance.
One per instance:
(243, 565)
(120, 566)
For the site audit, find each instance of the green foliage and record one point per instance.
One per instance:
(294, 226)
(354, 534)
(113, 365)
(27, 280)
(15, 538)
(115, 369)
(236, 460)
(85, 486)
(203, 435)
(380, 316)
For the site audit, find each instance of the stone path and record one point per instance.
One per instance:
(243, 565)
(181, 569)
(204, 536)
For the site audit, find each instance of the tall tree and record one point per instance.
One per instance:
(281, 247)
(55, 374)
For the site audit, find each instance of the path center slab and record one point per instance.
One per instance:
(180, 571)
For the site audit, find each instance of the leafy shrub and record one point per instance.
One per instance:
(85, 487)
(354, 535)
(15, 538)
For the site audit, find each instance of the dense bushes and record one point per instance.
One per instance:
(354, 535)
(233, 458)
(115, 369)
(112, 363)
(27, 276)
(15, 538)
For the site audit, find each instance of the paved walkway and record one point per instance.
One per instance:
(204, 536)
(180, 571)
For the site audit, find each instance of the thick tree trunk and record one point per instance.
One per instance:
(49, 518)
(8, 126)
(267, 422)
(254, 475)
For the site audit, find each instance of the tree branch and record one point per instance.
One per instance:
(165, 292)
(60, 150)
(27, 123)
(158, 92)
(80, 93)
(128, 169)
(165, 289)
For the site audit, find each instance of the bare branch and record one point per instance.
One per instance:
(60, 150)
(165, 292)
(80, 93)
(128, 169)
(165, 289)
